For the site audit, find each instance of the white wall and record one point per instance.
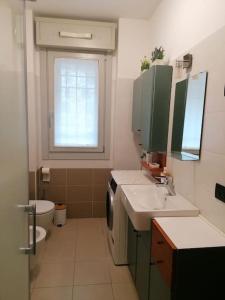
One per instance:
(31, 93)
(132, 46)
(178, 25)
(198, 27)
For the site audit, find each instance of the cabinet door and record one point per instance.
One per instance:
(158, 290)
(132, 249)
(161, 107)
(156, 89)
(146, 111)
(143, 262)
(136, 116)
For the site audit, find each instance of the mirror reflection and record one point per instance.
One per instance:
(188, 117)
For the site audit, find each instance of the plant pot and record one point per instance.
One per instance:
(159, 62)
(144, 71)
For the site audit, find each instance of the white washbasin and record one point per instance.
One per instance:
(143, 202)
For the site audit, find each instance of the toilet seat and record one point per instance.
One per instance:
(42, 206)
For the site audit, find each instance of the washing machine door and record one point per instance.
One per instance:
(109, 207)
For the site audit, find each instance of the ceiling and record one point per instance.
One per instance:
(95, 9)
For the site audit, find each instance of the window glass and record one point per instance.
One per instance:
(76, 102)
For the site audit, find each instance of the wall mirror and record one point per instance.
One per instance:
(188, 117)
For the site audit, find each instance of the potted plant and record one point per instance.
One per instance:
(145, 64)
(157, 56)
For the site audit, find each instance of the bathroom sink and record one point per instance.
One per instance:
(143, 202)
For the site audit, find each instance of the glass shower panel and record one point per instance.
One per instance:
(14, 265)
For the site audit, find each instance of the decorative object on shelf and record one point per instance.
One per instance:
(158, 56)
(145, 64)
(186, 63)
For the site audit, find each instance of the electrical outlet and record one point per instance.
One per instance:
(220, 192)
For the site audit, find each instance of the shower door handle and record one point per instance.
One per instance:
(31, 210)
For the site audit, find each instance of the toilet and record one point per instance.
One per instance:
(44, 212)
(40, 240)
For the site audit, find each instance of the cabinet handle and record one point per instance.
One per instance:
(159, 262)
(85, 36)
(140, 144)
(139, 130)
(156, 262)
(160, 242)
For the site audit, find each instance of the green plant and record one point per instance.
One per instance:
(145, 64)
(158, 53)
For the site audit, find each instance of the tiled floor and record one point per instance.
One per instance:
(76, 265)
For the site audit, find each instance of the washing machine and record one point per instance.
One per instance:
(117, 219)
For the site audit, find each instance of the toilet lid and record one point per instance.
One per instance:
(42, 206)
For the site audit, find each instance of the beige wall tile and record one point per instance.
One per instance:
(53, 193)
(76, 186)
(99, 209)
(58, 176)
(79, 177)
(79, 210)
(79, 194)
(99, 192)
(100, 176)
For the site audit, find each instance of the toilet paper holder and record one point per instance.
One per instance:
(45, 174)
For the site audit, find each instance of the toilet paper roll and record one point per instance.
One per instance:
(45, 174)
(45, 170)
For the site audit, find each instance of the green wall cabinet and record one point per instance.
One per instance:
(151, 105)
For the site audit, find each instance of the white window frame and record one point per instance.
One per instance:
(47, 96)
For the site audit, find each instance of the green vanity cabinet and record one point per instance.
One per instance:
(158, 290)
(142, 266)
(186, 273)
(151, 104)
(139, 259)
(136, 116)
(156, 90)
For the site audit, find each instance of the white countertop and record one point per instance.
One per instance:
(131, 177)
(191, 232)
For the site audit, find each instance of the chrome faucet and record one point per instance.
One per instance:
(167, 182)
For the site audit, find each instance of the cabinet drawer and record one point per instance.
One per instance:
(162, 250)
(51, 32)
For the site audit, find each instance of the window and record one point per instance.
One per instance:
(75, 102)
(77, 105)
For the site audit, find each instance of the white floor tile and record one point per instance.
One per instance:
(122, 291)
(93, 292)
(90, 272)
(57, 293)
(54, 275)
